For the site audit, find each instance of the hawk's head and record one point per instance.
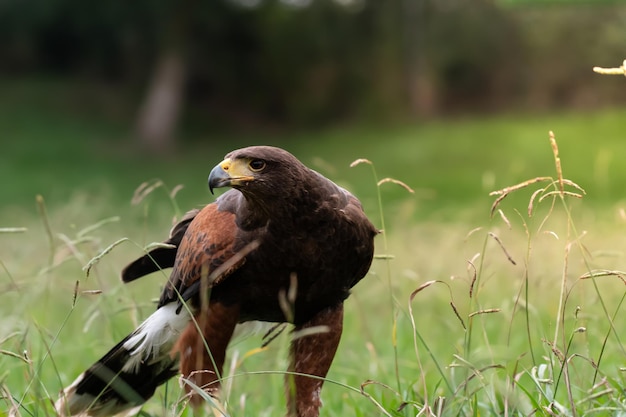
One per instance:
(259, 171)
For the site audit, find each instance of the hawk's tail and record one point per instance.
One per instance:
(129, 373)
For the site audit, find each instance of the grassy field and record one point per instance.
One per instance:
(463, 313)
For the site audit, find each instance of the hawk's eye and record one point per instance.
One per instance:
(257, 165)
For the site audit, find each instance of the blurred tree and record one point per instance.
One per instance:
(474, 51)
(160, 111)
(266, 63)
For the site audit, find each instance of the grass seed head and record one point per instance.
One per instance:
(557, 160)
(398, 182)
(144, 189)
(360, 161)
(497, 239)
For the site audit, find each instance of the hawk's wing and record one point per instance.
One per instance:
(211, 249)
(161, 257)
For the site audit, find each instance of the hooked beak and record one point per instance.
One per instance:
(229, 173)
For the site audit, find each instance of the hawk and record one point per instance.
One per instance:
(283, 245)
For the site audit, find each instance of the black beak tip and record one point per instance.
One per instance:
(218, 178)
(210, 186)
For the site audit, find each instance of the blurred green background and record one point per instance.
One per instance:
(100, 97)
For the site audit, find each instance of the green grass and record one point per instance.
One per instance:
(497, 352)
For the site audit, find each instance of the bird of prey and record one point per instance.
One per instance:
(283, 245)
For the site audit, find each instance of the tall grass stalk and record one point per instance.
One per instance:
(560, 345)
(43, 214)
(387, 257)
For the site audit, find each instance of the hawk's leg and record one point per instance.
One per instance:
(202, 354)
(312, 354)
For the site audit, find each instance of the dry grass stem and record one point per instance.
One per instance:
(13, 229)
(421, 287)
(471, 232)
(502, 193)
(485, 311)
(532, 201)
(562, 193)
(9, 336)
(611, 71)
(292, 291)
(458, 316)
(562, 182)
(227, 267)
(97, 225)
(496, 203)
(604, 273)
(560, 356)
(158, 245)
(397, 182)
(380, 407)
(75, 293)
(476, 373)
(504, 218)
(91, 292)
(428, 284)
(551, 233)
(360, 161)
(14, 408)
(144, 190)
(175, 191)
(524, 184)
(573, 184)
(549, 409)
(595, 396)
(497, 239)
(473, 260)
(70, 246)
(309, 331)
(14, 355)
(557, 161)
(43, 213)
(602, 383)
(97, 258)
(470, 265)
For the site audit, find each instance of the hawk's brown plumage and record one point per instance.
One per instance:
(282, 229)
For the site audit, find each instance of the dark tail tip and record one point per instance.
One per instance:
(106, 388)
